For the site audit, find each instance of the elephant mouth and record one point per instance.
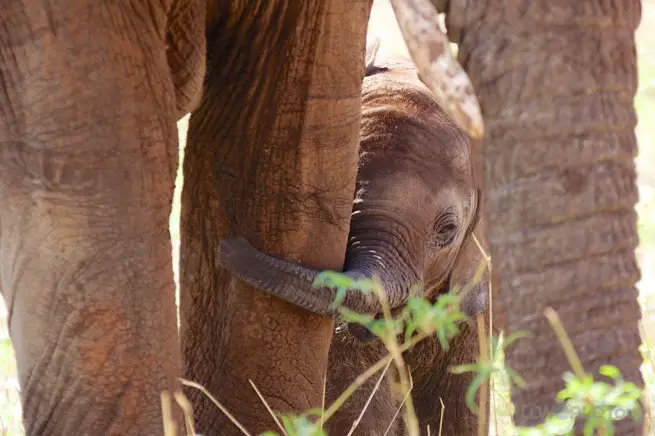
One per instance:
(363, 334)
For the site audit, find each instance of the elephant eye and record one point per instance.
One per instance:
(449, 229)
(444, 231)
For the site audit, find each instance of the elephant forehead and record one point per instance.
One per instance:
(409, 192)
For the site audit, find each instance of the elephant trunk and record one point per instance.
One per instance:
(294, 283)
(379, 245)
(560, 183)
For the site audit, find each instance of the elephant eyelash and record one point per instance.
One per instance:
(445, 230)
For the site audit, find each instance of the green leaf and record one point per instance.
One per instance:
(515, 336)
(351, 316)
(515, 377)
(466, 367)
(610, 371)
(472, 389)
(340, 281)
(554, 425)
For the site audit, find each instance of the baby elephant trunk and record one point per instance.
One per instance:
(294, 283)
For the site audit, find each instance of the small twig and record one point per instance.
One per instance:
(217, 403)
(323, 400)
(270, 411)
(167, 413)
(187, 409)
(368, 401)
(437, 68)
(391, 343)
(492, 356)
(647, 403)
(395, 415)
(443, 412)
(567, 346)
(484, 389)
(495, 409)
(360, 380)
(372, 370)
(487, 259)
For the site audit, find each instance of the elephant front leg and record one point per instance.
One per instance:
(272, 156)
(87, 165)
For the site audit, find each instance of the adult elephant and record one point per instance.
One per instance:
(89, 97)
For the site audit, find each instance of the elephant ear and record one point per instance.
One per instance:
(369, 59)
(471, 272)
(476, 301)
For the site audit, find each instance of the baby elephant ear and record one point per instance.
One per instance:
(371, 52)
(476, 300)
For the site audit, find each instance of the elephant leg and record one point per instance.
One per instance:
(87, 168)
(560, 182)
(271, 155)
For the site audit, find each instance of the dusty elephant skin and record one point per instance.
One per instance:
(560, 182)
(88, 147)
(87, 167)
(283, 177)
(412, 222)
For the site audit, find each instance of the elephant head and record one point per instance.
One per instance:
(413, 214)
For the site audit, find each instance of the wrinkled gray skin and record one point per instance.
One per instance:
(412, 223)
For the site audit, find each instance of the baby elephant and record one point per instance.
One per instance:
(414, 213)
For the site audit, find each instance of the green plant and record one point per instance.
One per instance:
(485, 369)
(596, 403)
(418, 320)
(300, 425)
